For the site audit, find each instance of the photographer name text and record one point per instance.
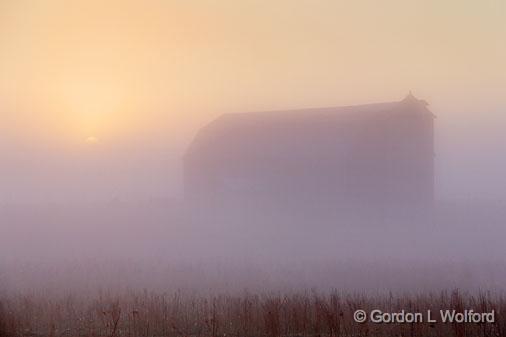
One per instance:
(429, 316)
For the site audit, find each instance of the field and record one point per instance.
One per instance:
(121, 271)
(246, 314)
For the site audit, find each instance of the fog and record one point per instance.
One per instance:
(98, 107)
(117, 219)
(469, 162)
(150, 246)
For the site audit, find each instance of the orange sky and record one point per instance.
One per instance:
(107, 68)
(145, 72)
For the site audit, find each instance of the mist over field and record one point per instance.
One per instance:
(116, 218)
(157, 246)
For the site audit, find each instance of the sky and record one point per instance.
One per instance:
(99, 99)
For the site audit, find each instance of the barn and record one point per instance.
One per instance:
(374, 155)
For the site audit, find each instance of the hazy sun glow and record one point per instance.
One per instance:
(183, 60)
(90, 106)
(92, 140)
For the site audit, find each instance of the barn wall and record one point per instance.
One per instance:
(384, 162)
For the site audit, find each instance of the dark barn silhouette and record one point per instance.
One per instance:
(374, 156)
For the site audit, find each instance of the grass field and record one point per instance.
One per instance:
(185, 314)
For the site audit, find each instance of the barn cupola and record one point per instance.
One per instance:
(410, 99)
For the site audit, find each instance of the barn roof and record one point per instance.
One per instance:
(250, 128)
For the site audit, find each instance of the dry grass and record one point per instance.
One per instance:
(179, 314)
(3, 327)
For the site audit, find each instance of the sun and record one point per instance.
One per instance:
(89, 105)
(92, 140)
